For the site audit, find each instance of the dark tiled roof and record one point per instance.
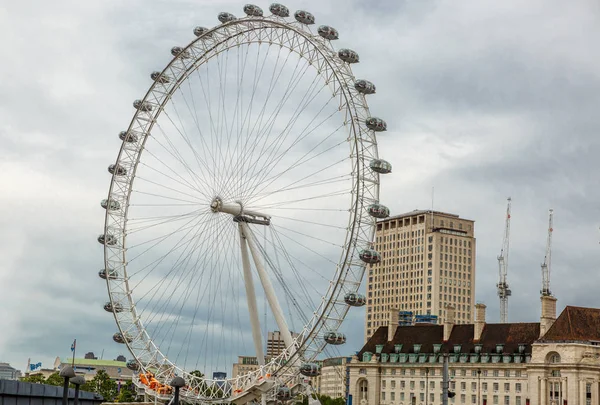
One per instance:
(509, 334)
(575, 324)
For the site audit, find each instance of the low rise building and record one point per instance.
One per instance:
(116, 370)
(554, 361)
(7, 372)
(334, 377)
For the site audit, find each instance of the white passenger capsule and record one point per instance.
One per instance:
(376, 124)
(117, 170)
(142, 106)
(380, 166)
(108, 307)
(304, 17)
(160, 77)
(354, 299)
(133, 365)
(226, 17)
(111, 275)
(335, 338)
(180, 52)
(379, 211)
(253, 11)
(310, 369)
(279, 10)
(369, 256)
(364, 87)
(348, 56)
(328, 32)
(111, 206)
(199, 31)
(128, 137)
(107, 239)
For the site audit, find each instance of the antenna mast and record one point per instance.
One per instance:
(503, 290)
(548, 258)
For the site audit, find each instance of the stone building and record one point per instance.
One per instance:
(427, 262)
(334, 377)
(554, 361)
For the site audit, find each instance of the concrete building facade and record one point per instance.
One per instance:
(7, 372)
(427, 263)
(552, 362)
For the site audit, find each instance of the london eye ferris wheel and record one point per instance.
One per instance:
(244, 197)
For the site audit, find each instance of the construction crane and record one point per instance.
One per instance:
(548, 258)
(503, 290)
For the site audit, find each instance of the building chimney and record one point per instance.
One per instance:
(548, 313)
(479, 320)
(448, 322)
(393, 322)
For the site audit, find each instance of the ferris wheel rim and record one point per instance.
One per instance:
(335, 288)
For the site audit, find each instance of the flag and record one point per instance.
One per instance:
(73, 345)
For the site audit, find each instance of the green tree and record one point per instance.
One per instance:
(35, 378)
(197, 373)
(126, 394)
(55, 379)
(103, 385)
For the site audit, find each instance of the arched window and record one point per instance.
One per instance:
(553, 358)
(363, 389)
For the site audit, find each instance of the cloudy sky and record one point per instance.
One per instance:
(483, 100)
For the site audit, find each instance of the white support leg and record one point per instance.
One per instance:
(268, 287)
(251, 299)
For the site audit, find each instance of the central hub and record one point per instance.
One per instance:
(239, 213)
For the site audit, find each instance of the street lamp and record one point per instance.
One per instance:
(67, 373)
(77, 381)
(177, 383)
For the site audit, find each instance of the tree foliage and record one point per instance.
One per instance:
(34, 378)
(55, 379)
(103, 385)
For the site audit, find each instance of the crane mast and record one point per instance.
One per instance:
(548, 258)
(503, 290)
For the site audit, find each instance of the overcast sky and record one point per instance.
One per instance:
(483, 100)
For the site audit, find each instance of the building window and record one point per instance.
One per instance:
(496, 373)
(484, 386)
(412, 385)
(506, 373)
(517, 400)
(495, 399)
(463, 386)
(473, 386)
(518, 387)
(473, 399)
(383, 396)
(463, 398)
(383, 383)
(363, 389)
(506, 387)
(431, 398)
(422, 397)
(422, 385)
(474, 373)
(393, 384)
(495, 387)
(392, 396)
(506, 400)
(553, 358)
(518, 373)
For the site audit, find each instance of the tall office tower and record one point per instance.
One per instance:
(275, 343)
(427, 262)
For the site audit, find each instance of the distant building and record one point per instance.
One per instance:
(427, 262)
(9, 373)
(552, 362)
(245, 365)
(334, 378)
(90, 356)
(275, 343)
(116, 370)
